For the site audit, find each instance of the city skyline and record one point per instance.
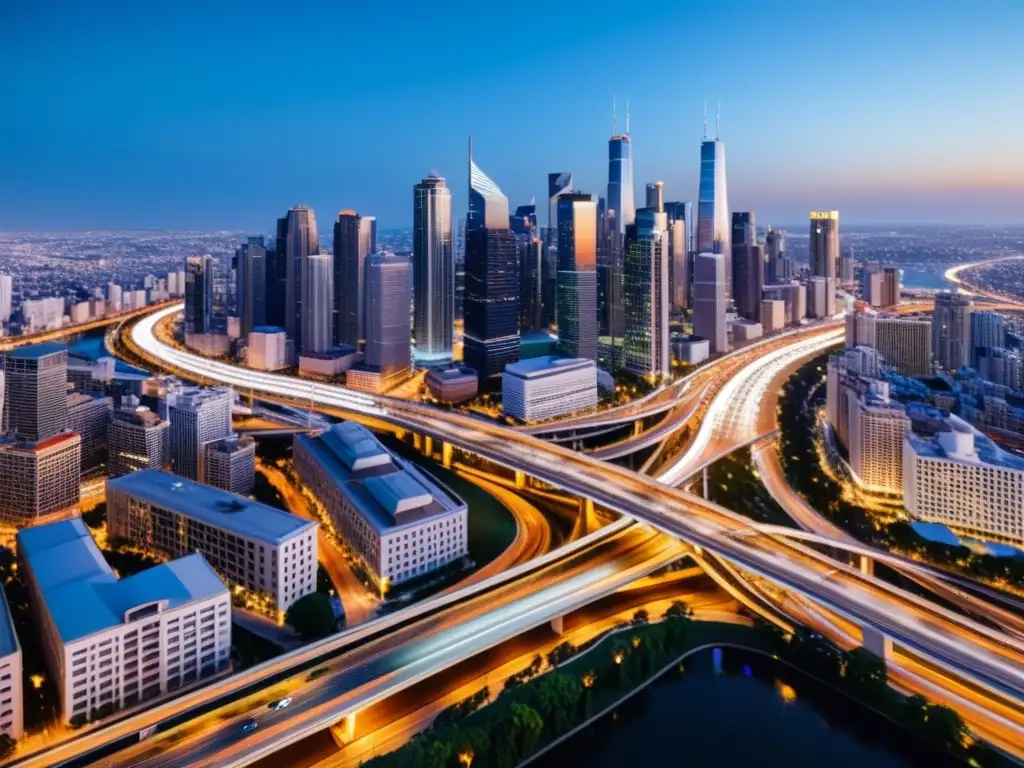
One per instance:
(217, 142)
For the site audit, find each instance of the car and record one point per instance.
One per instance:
(250, 725)
(280, 703)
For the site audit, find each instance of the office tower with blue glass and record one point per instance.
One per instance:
(713, 225)
(491, 311)
(680, 262)
(317, 302)
(354, 239)
(645, 294)
(251, 288)
(577, 276)
(198, 295)
(709, 301)
(388, 350)
(557, 184)
(747, 265)
(301, 240)
(433, 272)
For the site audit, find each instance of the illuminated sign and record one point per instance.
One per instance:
(824, 215)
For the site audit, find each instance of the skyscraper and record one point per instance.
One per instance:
(577, 276)
(491, 311)
(620, 177)
(317, 302)
(557, 184)
(198, 294)
(387, 315)
(251, 293)
(277, 275)
(35, 391)
(680, 243)
(354, 238)
(532, 277)
(951, 330)
(713, 202)
(656, 196)
(433, 270)
(824, 254)
(779, 267)
(891, 287)
(6, 298)
(747, 265)
(709, 301)
(301, 240)
(197, 416)
(988, 331)
(645, 294)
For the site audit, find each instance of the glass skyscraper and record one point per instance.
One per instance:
(620, 181)
(251, 290)
(354, 240)
(577, 276)
(198, 294)
(680, 264)
(713, 223)
(557, 184)
(645, 294)
(491, 310)
(387, 315)
(433, 269)
(301, 240)
(747, 265)
(824, 254)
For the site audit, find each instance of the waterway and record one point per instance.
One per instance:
(754, 711)
(90, 345)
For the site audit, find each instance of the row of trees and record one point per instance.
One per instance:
(802, 396)
(535, 709)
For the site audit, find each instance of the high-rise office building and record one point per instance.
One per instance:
(317, 303)
(198, 295)
(532, 279)
(779, 267)
(277, 275)
(301, 240)
(905, 343)
(230, 463)
(709, 301)
(87, 417)
(680, 262)
(137, 438)
(988, 331)
(871, 284)
(577, 276)
(197, 416)
(747, 265)
(824, 254)
(35, 391)
(847, 265)
(433, 270)
(656, 196)
(387, 315)
(557, 184)
(713, 225)
(620, 178)
(491, 311)
(6, 298)
(645, 294)
(39, 478)
(354, 237)
(251, 291)
(891, 287)
(951, 330)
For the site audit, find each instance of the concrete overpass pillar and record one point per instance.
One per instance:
(638, 427)
(557, 626)
(446, 455)
(867, 565)
(876, 642)
(520, 479)
(417, 441)
(428, 446)
(344, 732)
(706, 486)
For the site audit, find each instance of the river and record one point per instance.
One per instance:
(755, 712)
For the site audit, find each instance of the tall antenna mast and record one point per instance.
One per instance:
(627, 117)
(705, 119)
(718, 121)
(615, 122)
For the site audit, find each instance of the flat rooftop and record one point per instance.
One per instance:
(387, 491)
(213, 506)
(82, 593)
(36, 351)
(547, 365)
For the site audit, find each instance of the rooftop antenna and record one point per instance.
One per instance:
(615, 122)
(718, 121)
(705, 119)
(627, 117)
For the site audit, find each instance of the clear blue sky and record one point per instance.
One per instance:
(220, 114)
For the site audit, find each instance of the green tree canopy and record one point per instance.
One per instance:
(311, 616)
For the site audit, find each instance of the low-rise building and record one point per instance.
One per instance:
(401, 523)
(330, 362)
(773, 315)
(137, 438)
(11, 709)
(745, 330)
(958, 477)
(230, 463)
(112, 643)
(39, 479)
(690, 349)
(547, 387)
(452, 385)
(268, 348)
(267, 551)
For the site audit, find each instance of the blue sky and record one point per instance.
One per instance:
(220, 115)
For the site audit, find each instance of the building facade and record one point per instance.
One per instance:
(197, 416)
(904, 342)
(645, 294)
(388, 345)
(824, 256)
(137, 438)
(577, 276)
(88, 417)
(709, 301)
(268, 348)
(354, 240)
(317, 303)
(747, 265)
(951, 330)
(230, 464)
(546, 387)
(433, 268)
(39, 479)
(300, 241)
(35, 396)
(251, 288)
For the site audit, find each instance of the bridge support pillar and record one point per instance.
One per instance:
(344, 732)
(873, 640)
(867, 565)
(428, 446)
(587, 523)
(520, 479)
(706, 487)
(417, 441)
(557, 626)
(446, 455)
(638, 427)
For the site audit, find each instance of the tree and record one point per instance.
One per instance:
(561, 653)
(557, 697)
(311, 616)
(866, 671)
(641, 617)
(7, 746)
(944, 727)
(467, 743)
(97, 516)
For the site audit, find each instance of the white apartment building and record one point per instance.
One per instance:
(11, 709)
(197, 416)
(960, 478)
(263, 549)
(402, 523)
(268, 349)
(877, 427)
(905, 343)
(230, 464)
(112, 643)
(549, 386)
(773, 315)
